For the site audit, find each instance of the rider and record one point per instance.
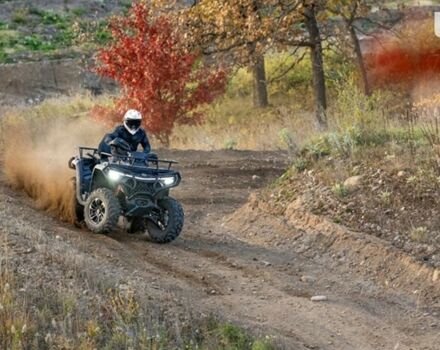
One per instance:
(130, 131)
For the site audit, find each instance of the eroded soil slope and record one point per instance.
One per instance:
(241, 263)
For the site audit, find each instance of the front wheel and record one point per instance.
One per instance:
(102, 211)
(170, 223)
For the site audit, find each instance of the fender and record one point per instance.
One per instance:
(98, 177)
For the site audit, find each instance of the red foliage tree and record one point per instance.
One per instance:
(156, 75)
(411, 59)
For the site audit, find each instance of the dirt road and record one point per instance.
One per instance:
(259, 276)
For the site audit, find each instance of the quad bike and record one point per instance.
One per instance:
(128, 184)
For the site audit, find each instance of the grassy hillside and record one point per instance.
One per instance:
(34, 30)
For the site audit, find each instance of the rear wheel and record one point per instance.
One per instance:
(102, 211)
(170, 223)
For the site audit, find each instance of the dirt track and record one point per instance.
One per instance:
(244, 275)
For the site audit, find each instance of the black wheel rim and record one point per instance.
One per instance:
(97, 211)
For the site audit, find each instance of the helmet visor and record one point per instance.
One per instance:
(133, 124)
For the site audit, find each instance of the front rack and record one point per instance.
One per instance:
(83, 151)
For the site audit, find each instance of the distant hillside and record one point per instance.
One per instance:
(32, 30)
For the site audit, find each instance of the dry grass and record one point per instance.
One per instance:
(235, 123)
(229, 123)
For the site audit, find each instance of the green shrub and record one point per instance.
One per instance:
(102, 35)
(51, 17)
(79, 11)
(36, 11)
(419, 234)
(385, 197)
(287, 71)
(262, 345)
(300, 164)
(64, 38)
(340, 190)
(234, 337)
(8, 38)
(318, 147)
(286, 137)
(230, 144)
(240, 84)
(352, 108)
(36, 43)
(20, 15)
(3, 56)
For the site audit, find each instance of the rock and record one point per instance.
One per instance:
(353, 183)
(255, 177)
(29, 250)
(401, 173)
(266, 263)
(308, 279)
(435, 276)
(319, 298)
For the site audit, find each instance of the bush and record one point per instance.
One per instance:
(340, 190)
(20, 15)
(230, 144)
(36, 43)
(79, 11)
(287, 72)
(354, 109)
(419, 234)
(51, 17)
(300, 164)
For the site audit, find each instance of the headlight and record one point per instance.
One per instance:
(168, 181)
(114, 175)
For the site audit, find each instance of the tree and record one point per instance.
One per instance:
(315, 44)
(350, 11)
(224, 28)
(260, 95)
(249, 28)
(156, 75)
(354, 11)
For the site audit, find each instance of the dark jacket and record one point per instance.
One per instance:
(140, 138)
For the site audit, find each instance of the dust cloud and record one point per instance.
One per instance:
(36, 155)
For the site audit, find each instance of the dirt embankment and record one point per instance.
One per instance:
(252, 268)
(33, 82)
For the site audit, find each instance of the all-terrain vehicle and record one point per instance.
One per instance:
(128, 184)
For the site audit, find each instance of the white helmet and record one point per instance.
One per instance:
(132, 121)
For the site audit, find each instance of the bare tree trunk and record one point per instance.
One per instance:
(317, 66)
(359, 57)
(260, 84)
